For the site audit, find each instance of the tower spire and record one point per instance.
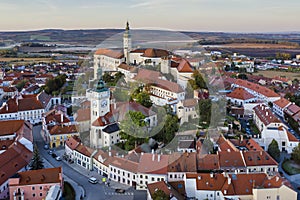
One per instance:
(127, 26)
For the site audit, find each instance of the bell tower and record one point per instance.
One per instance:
(127, 43)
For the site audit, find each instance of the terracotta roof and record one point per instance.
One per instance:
(240, 93)
(108, 118)
(9, 89)
(184, 67)
(16, 157)
(209, 162)
(205, 181)
(231, 159)
(153, 163)
(125, 164)
(110, 53)
(258, 158)
(291, 137)
(10, 127)
(4, 144)
(250, 144)
(185, 162)
(41, 176)
(85, 104)
(83, 115)
(84, 150)
(264, 113)
(282, 103)
(73, 142)
(162, 185)
(145, 74)
(167, 85)
(225, 145)
(54, 116)
(257, 88)
(155, 53)
(62, 129)
(127, 67)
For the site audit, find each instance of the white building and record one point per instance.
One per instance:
(240, 97)
(280, 105)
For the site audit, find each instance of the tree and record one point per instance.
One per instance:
(160, 195)
(170, 127)
(37, 162)
(273, 150)
(205, 110)
(143, 98)
(198, 82)
(21, 85)
(296, 154)
(242, 76)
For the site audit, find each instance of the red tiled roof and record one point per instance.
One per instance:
(258, 158)
(84, 150)
(108, 118)
(41, 176)
(153, 163)
(292, 109)
(62, 129)
(155, 53)
(282, 102)
(83, 115)
(185, 67)
(257, 88)
(231, 159)
(291, 137)
(185, 162)
(264, 113)
(127, 67)
(10, 127)
(240, 93)
(209, 162)
(190, 102)
(110, 53)
(161, 185)
(73, 142)
(16, 157)
(125, 164)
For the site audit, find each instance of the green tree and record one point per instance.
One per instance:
(205, 110)
(160, 195)
(37, 162)
(198, 81)
(143, 98)
(170, 127)
(21, 85)
(273, 150)
(296, 154)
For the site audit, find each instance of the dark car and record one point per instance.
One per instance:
(120, 191)
(53, 155)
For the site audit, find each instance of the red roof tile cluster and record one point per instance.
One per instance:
(240, 93)
(292, 109)
(282, 103)
(184, 67)
(10, 127)
(257, 88)
(41, 176)
(110, 53)
(56, 117)
(225, 145)
(84, 150)
(233, 159)
(153, 163)
(167, 189)
(264, 113)
(83, 115)
(185, 162)
(73, 142)
(62, 129)
(127, 67)
(125, 164)
(16, 157)
(155, 53)
(25, 104)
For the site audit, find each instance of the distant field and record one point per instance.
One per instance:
(259, 46)
(23, 59)
(271, 74)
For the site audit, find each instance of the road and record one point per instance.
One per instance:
(92, 191)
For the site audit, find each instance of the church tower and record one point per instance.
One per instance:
(127, 43)
(100, 96)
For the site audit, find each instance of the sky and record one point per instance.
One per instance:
(193, 15)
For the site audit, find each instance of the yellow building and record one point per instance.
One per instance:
(59, 134)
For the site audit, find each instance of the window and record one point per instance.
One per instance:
(33, 188)
(41, 187)
(33, 195)
(41, 194)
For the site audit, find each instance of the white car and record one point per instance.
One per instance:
(93, 180)
(58, 158)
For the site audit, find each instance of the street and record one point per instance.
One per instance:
(71, 171)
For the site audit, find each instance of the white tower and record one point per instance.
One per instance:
(127, 44)
(99, 98)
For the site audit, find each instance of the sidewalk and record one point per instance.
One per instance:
(75, 185)
(88, 174)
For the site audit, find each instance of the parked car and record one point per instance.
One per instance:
(53, 155)
(58, 158)
(50, 152)
(120, 190)
(93, 180)
(46, 146)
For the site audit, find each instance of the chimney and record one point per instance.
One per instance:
(211, 175)
(229, 180)
(152, 151)
(242, 138)
(267, 113)
(158, 157)
(277, 178)
(61, 118)
(228, 150)
(153, 157)
(261, 153)
(199, 178)
(6, 107)
(225, 192)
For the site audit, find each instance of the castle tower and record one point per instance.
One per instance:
(127, 43)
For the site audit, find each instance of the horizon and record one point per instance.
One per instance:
(191, 15)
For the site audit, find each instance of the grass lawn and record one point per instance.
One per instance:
(69, 192)
(290, 167)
